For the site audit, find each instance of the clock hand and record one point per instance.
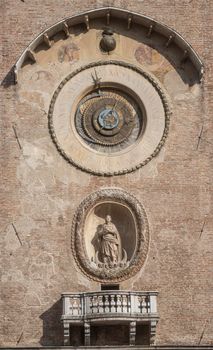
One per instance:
(96, 79)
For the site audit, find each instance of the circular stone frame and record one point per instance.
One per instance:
(73, 149)
(115, 196)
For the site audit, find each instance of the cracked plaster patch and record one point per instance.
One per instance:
(36, 156)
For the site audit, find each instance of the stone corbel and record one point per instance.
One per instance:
(108, 18)
(87, 21)
(132, 333)
(87, 333)
(15, 70)
(30, 54)
(47, 40)
(150, 30)
(66, 29)
(153, 325)
(129, 22)
(66, 326)
(184, 57)
(169, 41)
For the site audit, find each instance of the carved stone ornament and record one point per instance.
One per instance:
(108, 42)
(109, 118)
(110, 235)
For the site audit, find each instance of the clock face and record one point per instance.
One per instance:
(108, 120)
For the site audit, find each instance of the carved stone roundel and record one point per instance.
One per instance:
(109, 118)
(110, 235)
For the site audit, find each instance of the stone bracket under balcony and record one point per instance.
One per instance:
(109, 308)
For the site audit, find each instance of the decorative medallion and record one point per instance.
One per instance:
(109, 118)
(110, 235)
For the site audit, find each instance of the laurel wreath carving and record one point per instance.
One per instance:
(78, 235)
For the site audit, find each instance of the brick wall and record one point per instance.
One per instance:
(40, 191)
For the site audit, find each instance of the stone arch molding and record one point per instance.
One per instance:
(110, 235)
(106, 14)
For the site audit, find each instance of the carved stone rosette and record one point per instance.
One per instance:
(136, 257)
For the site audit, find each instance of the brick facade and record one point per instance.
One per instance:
(40, 191)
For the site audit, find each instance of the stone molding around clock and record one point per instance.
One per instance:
(129, 78)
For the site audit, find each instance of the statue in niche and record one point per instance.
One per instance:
(109, 242)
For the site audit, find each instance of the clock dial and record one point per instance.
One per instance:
(108, 120)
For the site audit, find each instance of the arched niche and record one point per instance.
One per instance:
(127, 235)
(123, 219)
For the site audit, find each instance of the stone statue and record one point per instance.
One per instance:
(109, 242)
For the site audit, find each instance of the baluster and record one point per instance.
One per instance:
(128, 303)
(70, 306)
(143, 305)
(113, 310)
(119, 303)
(94, 304)
(100, 304)
(148, 304)
(76, 306)
(106, 304)
(140, 304)
(124, 303)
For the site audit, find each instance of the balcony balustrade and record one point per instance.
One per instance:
(108, 307)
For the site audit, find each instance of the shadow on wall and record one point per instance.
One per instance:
(9, 79)
(52, 327)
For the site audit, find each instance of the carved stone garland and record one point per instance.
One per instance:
(78, 235)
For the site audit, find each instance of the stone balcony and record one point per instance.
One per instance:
(108, 308)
